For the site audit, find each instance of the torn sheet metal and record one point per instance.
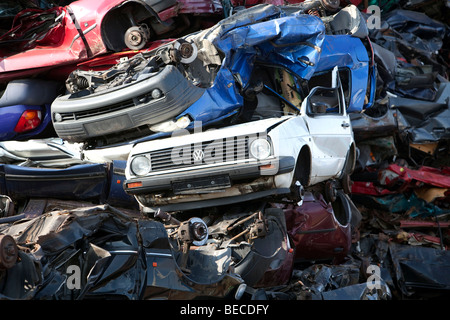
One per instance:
(394, 188)
(120, 255)
(428, 33)
(400, 203)
(359, 291)
(416, 41)
(400, 176)
(374, 122)
(33, 27)
(257, 243)
(267, 261)
(418, 123)
(373, 152)
(425, 121)
(103, 246)
(337, 282)
(417, 268)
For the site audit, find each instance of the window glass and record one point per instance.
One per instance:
(324, 79)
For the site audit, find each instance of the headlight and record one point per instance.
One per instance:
(140, 165)
(169, 126)
(156, 94)
(260, 149)
(57, 117)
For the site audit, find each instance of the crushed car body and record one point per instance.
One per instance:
(210, 76)
(160, 258)
(320, 230)
(73, 250)
(287, 152)
(50, 169)
(274, 156)
(82, 30)
(107, 263)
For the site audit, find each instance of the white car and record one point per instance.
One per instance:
(311, 141)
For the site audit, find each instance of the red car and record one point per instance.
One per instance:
(320, 230)
(40, 40)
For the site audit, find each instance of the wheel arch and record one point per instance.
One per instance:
(350, 161)
(303, 166)
(117, 21)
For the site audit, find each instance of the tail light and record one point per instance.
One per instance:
(29, 120)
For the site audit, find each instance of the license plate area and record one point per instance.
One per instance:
(202, 185)
(108, 126)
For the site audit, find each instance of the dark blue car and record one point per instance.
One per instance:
(94, 183)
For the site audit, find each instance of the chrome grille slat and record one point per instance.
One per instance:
(162, 159)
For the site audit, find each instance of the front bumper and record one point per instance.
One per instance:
(211, 186)
(78, 119)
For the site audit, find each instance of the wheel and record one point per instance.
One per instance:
(297, 191)
(350, 162)
(346, 184)
(8, 252)
(136, 37)
(330, 191)
(188, 51)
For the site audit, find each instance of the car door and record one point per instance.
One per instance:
(331, 134)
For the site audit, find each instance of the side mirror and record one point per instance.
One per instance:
(323, 100)
(327, 97)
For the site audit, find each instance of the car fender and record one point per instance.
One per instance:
(288, 139)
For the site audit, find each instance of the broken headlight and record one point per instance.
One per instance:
(260, 149)
(169, 126)
(140, 165)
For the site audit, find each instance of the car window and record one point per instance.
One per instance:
(324, 79)
(324, 100)
(276, 92)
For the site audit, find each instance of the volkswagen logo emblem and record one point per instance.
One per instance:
(198, 155)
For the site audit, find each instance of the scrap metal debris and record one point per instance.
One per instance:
(69, 231)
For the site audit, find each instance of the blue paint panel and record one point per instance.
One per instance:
(273, 41)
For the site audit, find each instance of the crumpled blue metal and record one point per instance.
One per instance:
(264, 33)
(348, 51)
(282, 36)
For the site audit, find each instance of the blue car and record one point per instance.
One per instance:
(25, 108)
(211, 77)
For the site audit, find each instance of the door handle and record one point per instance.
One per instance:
(345, 124)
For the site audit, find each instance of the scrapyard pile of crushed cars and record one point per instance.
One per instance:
(245, 150)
